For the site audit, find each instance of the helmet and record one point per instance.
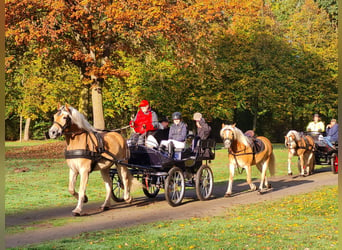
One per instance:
(176, 116)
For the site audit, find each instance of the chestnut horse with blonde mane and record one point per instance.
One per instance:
(302, 146)
(241, 154)
(83, 154)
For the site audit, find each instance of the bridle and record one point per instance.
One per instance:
(287, 142)
(227, 139)
(66, 125)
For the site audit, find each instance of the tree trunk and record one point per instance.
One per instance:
(27, 129)
(98, 117)
(21, 128)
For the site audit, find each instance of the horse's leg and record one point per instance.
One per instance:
(109, 186)
(309, 163)
(302, 162)
(82, 198)
(72, 181)
(289, 160)
(249, 177)
(230, 182)
(126, 178)
(263, 180)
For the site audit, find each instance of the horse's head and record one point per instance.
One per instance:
(227, 135)
(290, 141)
(61, 121)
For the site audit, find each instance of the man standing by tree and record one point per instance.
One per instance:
(145, 120)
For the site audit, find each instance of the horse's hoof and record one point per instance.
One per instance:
(290, 174)
(269, 186)
(104, 208)
(129, 200)
(226, 195)
(76, 214)
(85, 199)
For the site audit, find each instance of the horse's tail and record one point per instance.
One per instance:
(271, 164)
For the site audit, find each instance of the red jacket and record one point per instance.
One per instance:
(142, 122)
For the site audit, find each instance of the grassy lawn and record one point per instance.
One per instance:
(307, 221)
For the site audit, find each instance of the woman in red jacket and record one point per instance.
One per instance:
(146, 120)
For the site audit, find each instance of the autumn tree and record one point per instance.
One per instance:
(90, 33)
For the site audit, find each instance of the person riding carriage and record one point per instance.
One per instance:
(332, 133)
(315, 127)
(145, 122)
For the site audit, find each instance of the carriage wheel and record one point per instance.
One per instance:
(151, 191)
(204, 182)
(118, 189)
(174, 187)
(334, 163)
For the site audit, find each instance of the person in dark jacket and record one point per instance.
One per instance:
(177, 133)
(332, 133)
(203, 129)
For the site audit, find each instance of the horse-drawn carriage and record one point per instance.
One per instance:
(160, 170)
(89, 149)
(324, 154)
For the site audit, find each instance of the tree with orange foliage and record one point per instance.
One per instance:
(91, 33)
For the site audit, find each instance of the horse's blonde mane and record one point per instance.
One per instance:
(79, 119)
(295, 133)
(237, 134)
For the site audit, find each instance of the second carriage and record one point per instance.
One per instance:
(171, 171)
(324, 154)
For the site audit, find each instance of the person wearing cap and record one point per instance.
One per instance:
(203, 130)
(177, 133)
(332, 133)
(145, 121)
(316, 126)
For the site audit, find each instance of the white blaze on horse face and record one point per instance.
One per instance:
(56, 129)
(226, 140)
(291, 144)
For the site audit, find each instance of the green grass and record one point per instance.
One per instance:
(307, 221)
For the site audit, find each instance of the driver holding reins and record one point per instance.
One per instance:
(145, 121)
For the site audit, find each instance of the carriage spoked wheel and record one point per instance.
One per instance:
(174, 187)
(150, 190)
(334, 163)
(204, 182)
(118, 190)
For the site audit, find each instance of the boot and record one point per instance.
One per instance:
(171, 149)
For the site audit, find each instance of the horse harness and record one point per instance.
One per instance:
(308, 146)
(95, 155)
(257, 146)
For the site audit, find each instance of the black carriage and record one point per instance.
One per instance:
(324, 154)
(171, 171)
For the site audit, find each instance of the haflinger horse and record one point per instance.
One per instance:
(302, 146)
(242, 153)
(89, 149)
